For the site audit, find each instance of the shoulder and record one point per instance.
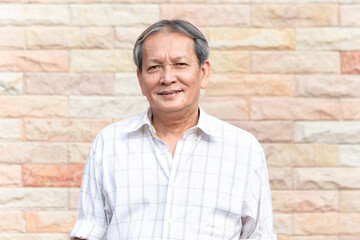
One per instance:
(230, 133)
(244, 144)
(118, 131)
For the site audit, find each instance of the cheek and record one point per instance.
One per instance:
(150, 82)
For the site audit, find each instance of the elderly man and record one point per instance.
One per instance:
(174, 172)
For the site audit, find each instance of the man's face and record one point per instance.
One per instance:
(171, 78)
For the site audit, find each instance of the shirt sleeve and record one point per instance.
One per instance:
(92, 219)
(257, 218)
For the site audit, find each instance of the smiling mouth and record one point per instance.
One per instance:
(169, 93)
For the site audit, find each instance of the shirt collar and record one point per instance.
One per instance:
(205, 123)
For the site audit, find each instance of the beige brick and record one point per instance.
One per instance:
(282, 224)
(317, 238)
(33, 106)
(301, 1)
(209, 15)
(349, 201)
(283, 237)
(74, 194)
(66, 130)
(10, 129)
(126, 84)
(304, 201)
(280, 178)
(306, 109)
(14, 1)
(231, 61)
(348, 237)
(250, 85)
(106, 107)
(350, 109)
(325, 85)
(52, 175)
(177, 1)
(155, 1)
(49, 221)
(295, 62)
(63, 1)
(34, 61)
(328, 39)
(102, 61)
(327, 223)
(328, 132)
(11, 83)
(125, 37)
(11, 221)
(69, 83)
(268, 131)
(251, 38)
(295, 15)
(226, 108)
(349, 155)
(97, 37)
(10, 175)
(12, 38)
(226, 1)
(349, 15)
(326, 178)
(301, 155)
(310, 237)
(34, 14)
(114, 14)
(316, 223)
(69, 37)
(77, 152)
(21, 152)
(32, 236)
(33, 198)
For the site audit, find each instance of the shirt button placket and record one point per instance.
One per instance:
(170, 194)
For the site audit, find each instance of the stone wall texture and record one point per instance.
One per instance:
(286, 70)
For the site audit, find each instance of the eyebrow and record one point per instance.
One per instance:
(154, 60)
(179, 58)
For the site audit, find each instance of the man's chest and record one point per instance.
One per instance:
(198, 192)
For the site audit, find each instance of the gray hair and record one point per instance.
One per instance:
(201, 46)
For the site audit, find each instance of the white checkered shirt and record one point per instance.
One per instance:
(215, 187)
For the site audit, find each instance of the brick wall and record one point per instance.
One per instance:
(286, 70)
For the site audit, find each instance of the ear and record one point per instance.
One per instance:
(139, 77)
(205, 74)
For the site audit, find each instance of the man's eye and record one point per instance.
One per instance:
(180, 64)
(153, 67)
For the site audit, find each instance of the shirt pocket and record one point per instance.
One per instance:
(222, 211)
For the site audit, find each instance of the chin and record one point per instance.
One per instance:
(171, 108)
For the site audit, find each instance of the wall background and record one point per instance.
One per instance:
(286, 70)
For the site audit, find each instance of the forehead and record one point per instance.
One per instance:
(165, 42)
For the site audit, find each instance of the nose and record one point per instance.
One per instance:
(168, 77)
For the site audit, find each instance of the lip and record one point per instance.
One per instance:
(170, 92)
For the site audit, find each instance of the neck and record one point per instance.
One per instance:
(174, 124)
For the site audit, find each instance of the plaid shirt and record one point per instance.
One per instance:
(215, 187)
